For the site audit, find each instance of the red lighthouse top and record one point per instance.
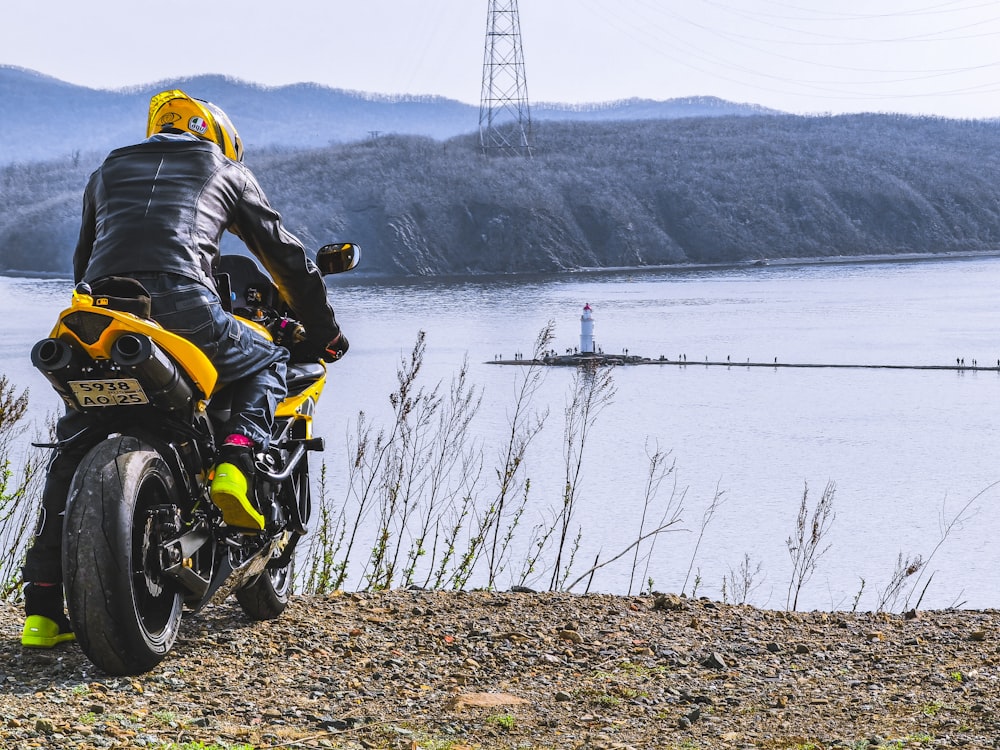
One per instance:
(586, 306)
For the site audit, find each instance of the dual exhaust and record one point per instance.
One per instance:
(70, 372)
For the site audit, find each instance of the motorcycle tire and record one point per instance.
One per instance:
(125, 614)
(266, 596)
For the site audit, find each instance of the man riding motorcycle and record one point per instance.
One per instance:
(153, 216)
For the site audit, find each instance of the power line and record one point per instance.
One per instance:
(678, 31)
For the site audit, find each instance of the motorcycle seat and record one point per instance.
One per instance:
(303, 374)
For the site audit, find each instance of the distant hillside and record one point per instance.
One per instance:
(46, 118)
(596, 195)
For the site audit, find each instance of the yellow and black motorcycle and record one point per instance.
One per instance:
(142, 540)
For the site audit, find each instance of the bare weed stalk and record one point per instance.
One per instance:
(946, 527)
(706, 518)
(325, 572)
(657, 471)
(738, 585)
(593, 390)
(494, 526)
(808, 544)
(367, 449)
(649, 534)
(857, 597)
(905, 568)
(432, 469)
(400, 479)
(453, 464)
(20, 489)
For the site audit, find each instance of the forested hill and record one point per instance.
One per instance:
(696, 190)
(46, 118)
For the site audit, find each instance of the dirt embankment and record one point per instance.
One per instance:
(446, 671)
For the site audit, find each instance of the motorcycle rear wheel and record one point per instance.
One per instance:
(124, 612)
(267, 595)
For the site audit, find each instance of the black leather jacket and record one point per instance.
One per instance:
(163, 204)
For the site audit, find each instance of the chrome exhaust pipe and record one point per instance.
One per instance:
(60, 363)
(163, 381)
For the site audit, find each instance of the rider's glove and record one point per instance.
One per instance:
(311, 350)
(335, 349)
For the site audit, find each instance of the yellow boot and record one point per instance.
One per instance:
(43, 632)
(232, 488)
(46, 624)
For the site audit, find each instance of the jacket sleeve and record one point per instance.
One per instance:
(298, 279)
(88, 232)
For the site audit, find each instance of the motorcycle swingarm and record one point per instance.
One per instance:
(177, 560)
(177, 552)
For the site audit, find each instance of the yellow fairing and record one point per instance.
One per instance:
(299, 405)
(189, 356)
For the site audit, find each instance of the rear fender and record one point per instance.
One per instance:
(95, 329)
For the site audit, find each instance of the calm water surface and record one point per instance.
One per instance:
(907, 449)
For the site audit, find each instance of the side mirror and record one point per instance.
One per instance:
(337, 258)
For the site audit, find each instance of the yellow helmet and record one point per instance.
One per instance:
(175, 109)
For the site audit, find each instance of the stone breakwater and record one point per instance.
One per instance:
(602, 360)
(415, 669)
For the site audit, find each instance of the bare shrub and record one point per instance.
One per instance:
(807, 545)
(738, 585)
(20, 488)
(905, 568)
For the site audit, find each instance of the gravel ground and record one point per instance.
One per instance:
(456, 671)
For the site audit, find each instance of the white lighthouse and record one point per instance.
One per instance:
(587, 331)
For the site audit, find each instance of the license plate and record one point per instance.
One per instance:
(118, 392)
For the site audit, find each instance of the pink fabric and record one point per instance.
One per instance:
(237, 439)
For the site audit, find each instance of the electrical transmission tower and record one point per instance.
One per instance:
(504, 114)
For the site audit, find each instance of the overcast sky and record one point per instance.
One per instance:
(802, 56)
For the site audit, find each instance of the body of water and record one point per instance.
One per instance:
(908, 449)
